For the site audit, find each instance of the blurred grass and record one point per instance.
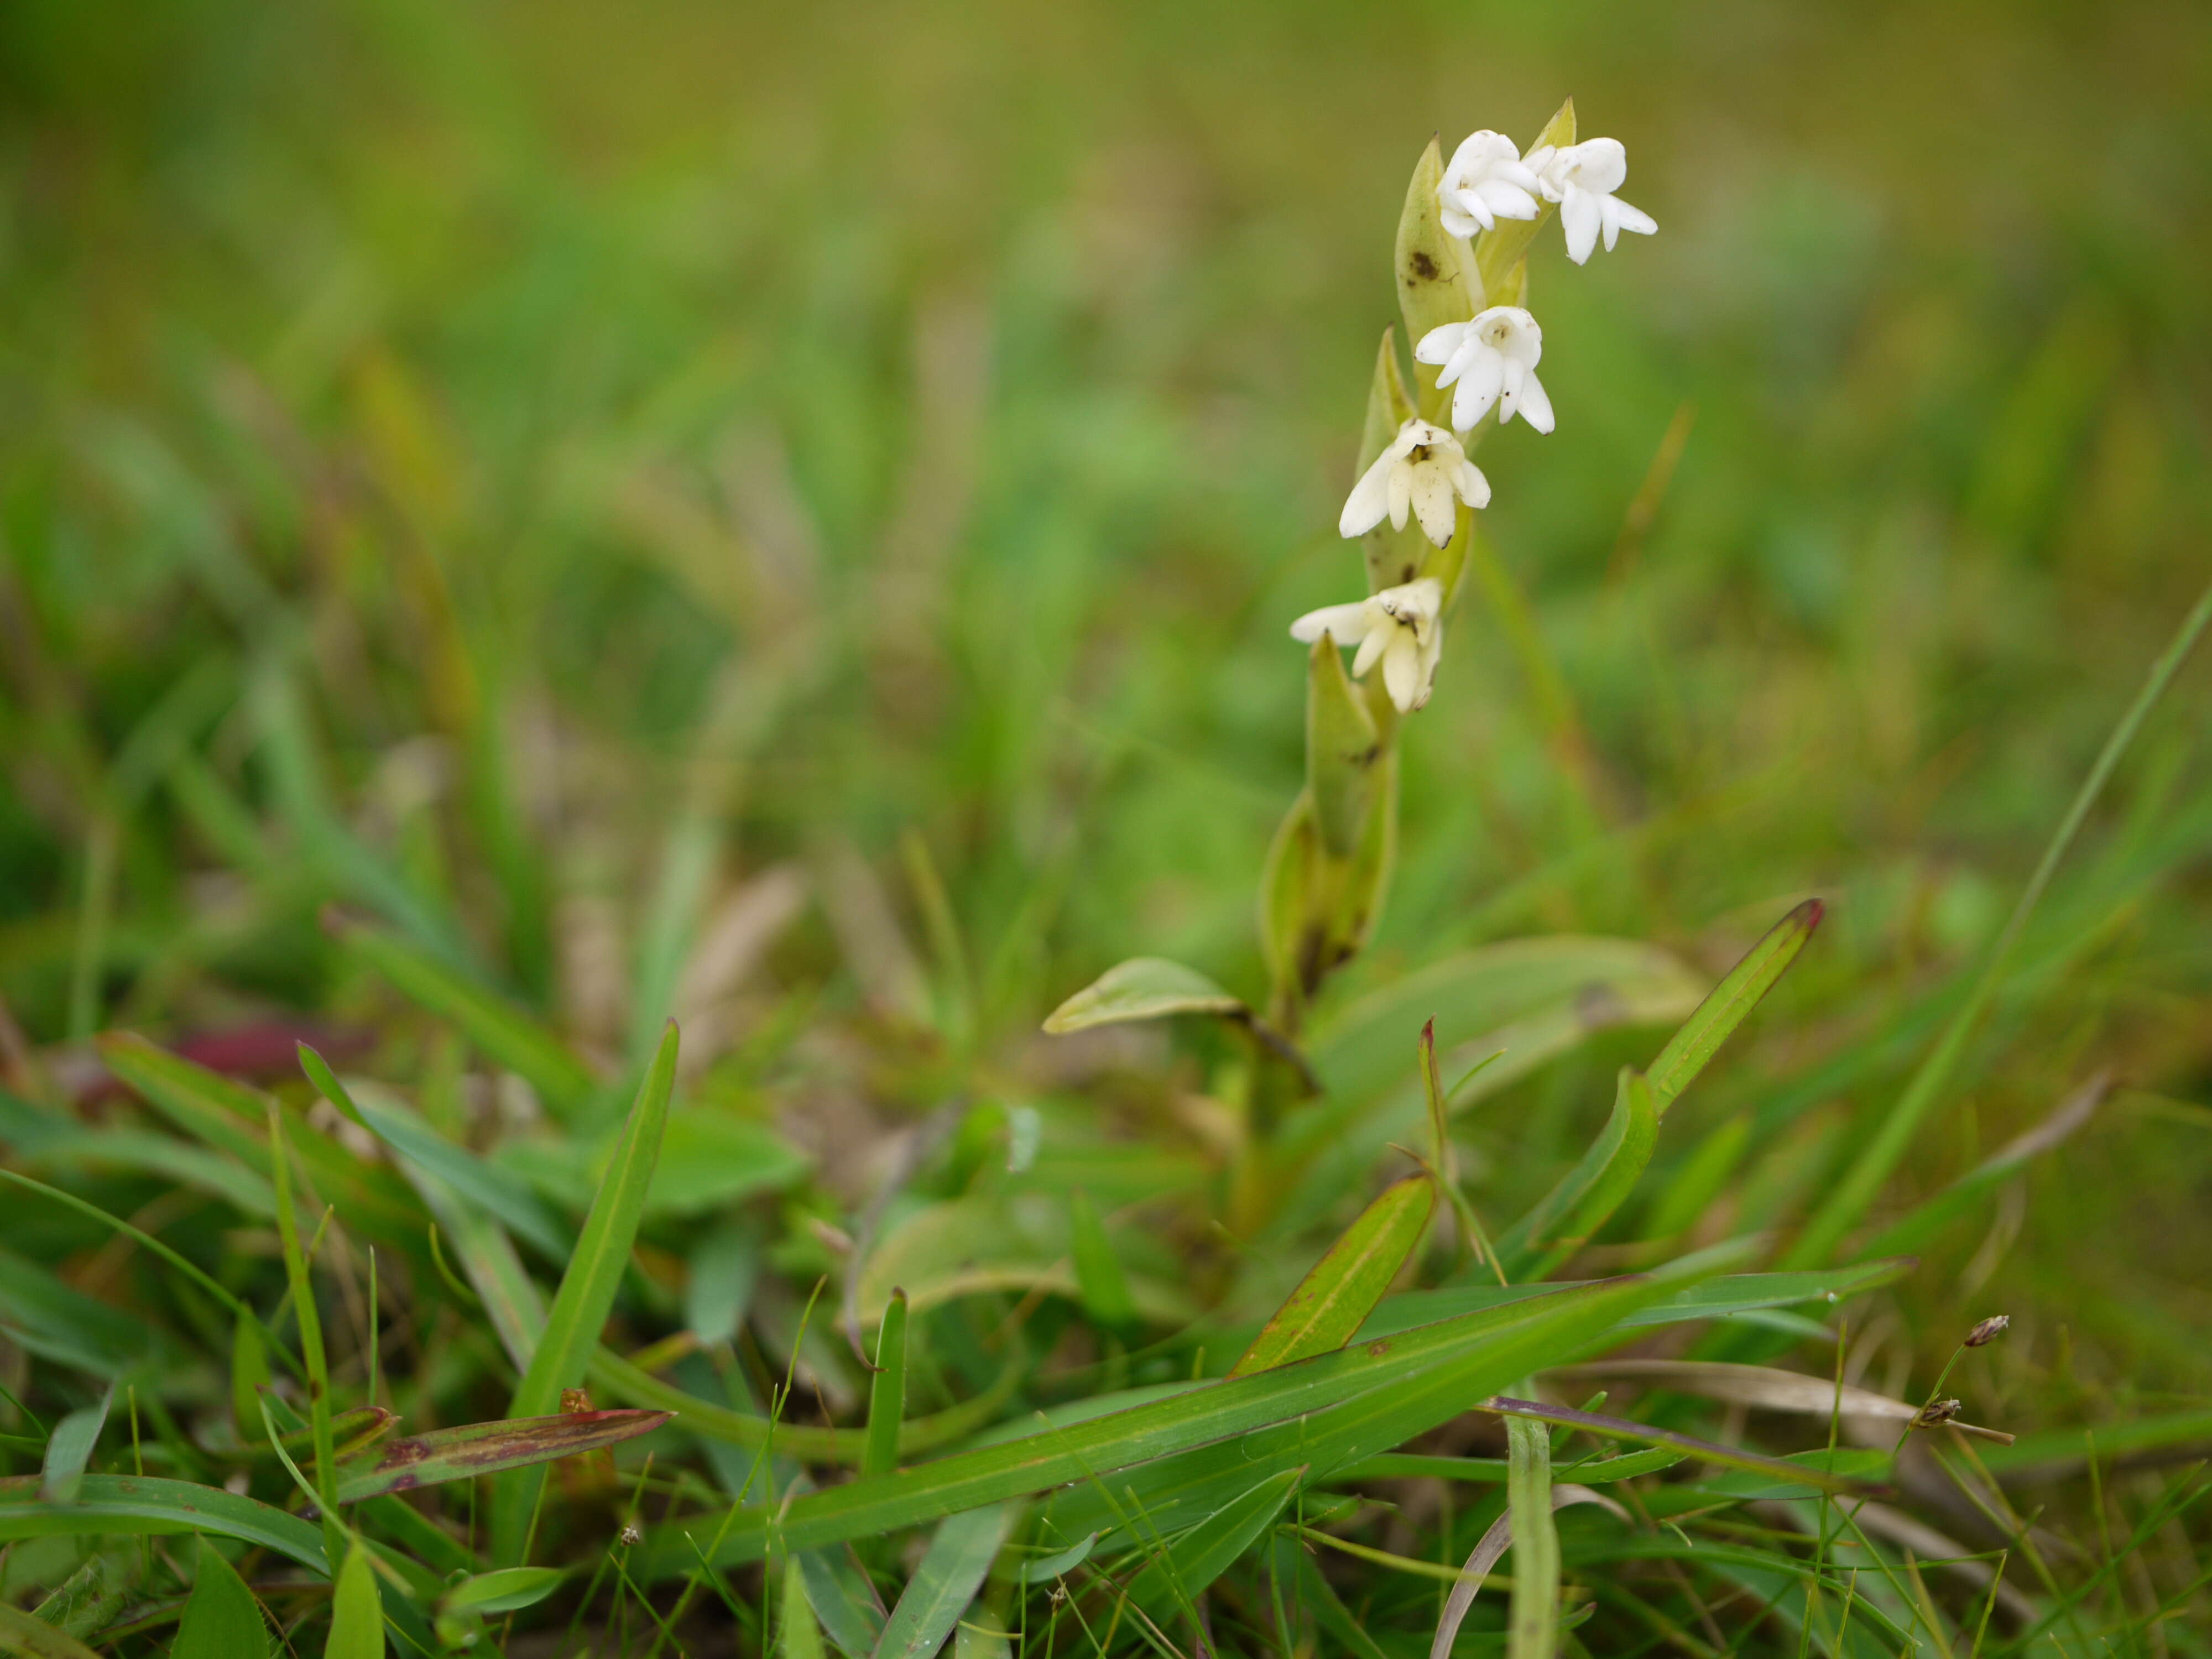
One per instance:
(527, 474)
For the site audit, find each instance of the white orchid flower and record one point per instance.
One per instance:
(1582, 179)
(1423, 470)
(1400, 627)
(1485, 182)
(1494, 358)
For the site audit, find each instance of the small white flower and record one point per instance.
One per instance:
(1485, 182)
(1494, 358)
(1400, 627)
(1582, 179)
(1423, 469)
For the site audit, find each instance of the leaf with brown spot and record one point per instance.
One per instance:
(426, 1460)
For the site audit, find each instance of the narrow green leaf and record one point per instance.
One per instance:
(503, 1033)
(249, 1374)
(221, 1620)
(1588, 1194)
(1194, 1560)
(1143, 987)
(1342, 749)
(1058, 1563)
(887, 1390)
(1732, 1000)
(960, 1553)
(21, 1633)
(122, 1503)
(304, 1312)
(1335, 1299)
(1099, 1280)
(1621, 1428)
(356, 1610)
(800, 1636)
(498, 1192)
(1392, 1388)
(68, 1448)
(587, 1294)
(1532, 1626)
(473, 1449)
(842, 1600)
(503, 1590)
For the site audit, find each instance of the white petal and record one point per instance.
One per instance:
(1457, 223)
(1369, 500)
(1435, 504)
(1515, 372)
(1401, 671)
(1370, 648)
(1402, 493)
(1619, 216)
(1345, 623)
(1535, 403)
(1478, 390)
(1437, 345)
(1473, 487)
(1578, 216)
(1506, 199)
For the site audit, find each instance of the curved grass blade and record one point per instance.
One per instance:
(1333, 1300)
(951, 1573)
(221, 1619)
(1389, 1390)
(1848, 1200)
(1143, 987)
(587, 1294)
(503, 1033)
(505, 1589)
(34, 1638)
(442, 1454)
(887, 1390)
(1187, 1564)
(1588, 1194)
(108, 1504)
(68, 1448)
(1689, 1049)
(1621, 1428)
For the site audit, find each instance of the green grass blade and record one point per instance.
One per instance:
(1588, 1194)
(68, 1448)
(1730, 1002)
(1143, 987)
(221, 1620)
(1533, 1623)
(456, 1454)
(842, 1600)
(1334, 1299)
(587, 1294)
(504, 1590)
(1193, 1561)
(1847, 1201)
(356, 1610)
(122, 1503)
(1621, 1428)
(951, 1573)
(1399, 1387)
(499, 1193)
(503, 1033)
(310, 1323)
(800, 1636)
(887, 1390)
(34, 1638)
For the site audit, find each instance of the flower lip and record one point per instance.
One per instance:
(1582, 179)
(1492, 359)
(1400, 627)
(1485, 181)
(1424, 473)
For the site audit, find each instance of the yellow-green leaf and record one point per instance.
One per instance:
(1143, 987)
(1333, 1300)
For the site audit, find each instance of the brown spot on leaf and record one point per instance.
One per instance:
(1424, 267)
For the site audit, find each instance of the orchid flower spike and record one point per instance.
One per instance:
(1401, 627)
(1493, 358)
(1485, 182)
(1582, 179)
(1424, 469)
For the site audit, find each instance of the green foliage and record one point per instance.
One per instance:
(221, 1619)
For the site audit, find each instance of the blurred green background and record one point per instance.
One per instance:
(526, 471)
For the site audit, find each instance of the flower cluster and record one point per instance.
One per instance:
(1488, 361)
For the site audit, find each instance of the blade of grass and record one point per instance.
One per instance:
(68, 1448)
(587, 1294)
(887, 1390)
(800, 1636)
(456, 1454)
(34, 1638)
(1194, 1560)
(1731, 1001)
(1848, 1200)
(952, 1571)
(108, 1504)
(1533, 1621)
(221, 1619)
(1588, 1194)
(356, 1610)
(311, 1334)
(1343, 1288)
(1621, 1428)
